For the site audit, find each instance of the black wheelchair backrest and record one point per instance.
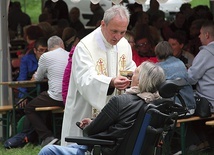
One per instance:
(171, 87)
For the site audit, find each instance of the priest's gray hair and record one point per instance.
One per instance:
(151, 76)
(116, 10)
(55, 42)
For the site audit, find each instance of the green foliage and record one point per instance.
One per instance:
(200, 2)
(32, 8)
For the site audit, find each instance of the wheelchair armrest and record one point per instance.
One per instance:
(88, 141)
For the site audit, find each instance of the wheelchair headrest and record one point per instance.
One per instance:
(171, 87)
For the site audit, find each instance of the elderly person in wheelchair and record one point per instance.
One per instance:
(118, 117)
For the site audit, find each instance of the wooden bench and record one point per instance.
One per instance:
(192, 118)
(182, 124)
(211, 122)
(54, 110)
(5, 119)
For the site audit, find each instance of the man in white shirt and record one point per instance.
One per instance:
(51, 65)
(96, 65)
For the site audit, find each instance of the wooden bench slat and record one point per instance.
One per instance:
(48, 108)
(193, 118)
(210, 122)
(4, 108)
(58, 111)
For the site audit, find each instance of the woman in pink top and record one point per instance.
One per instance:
(66, 76)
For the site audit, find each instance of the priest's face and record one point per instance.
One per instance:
(114, 30)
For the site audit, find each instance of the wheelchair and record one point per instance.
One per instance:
(153, 122)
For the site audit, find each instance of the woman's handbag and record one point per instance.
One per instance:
(203, 107)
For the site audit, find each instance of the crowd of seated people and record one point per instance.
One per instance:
(188, 20)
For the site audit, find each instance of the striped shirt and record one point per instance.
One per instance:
(52, 65)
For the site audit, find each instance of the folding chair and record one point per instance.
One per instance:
(154, 121)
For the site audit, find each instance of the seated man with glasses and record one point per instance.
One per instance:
(145, 50)
(29, 64)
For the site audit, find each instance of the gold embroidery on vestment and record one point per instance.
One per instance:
(122, 63)
(100, 67)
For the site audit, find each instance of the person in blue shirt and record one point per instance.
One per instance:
(29, 64)
(174, 68)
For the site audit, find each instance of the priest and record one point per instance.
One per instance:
(97, 62)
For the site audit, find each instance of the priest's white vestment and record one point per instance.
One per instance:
(92, 70)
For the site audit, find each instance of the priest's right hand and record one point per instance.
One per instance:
(120, 82)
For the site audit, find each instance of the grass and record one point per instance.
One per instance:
(28, 149)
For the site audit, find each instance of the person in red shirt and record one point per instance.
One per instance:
(144, 50)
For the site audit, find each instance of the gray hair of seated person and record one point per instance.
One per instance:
(163, 50)
(151, 77)
(116, 10)
(55, 42)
